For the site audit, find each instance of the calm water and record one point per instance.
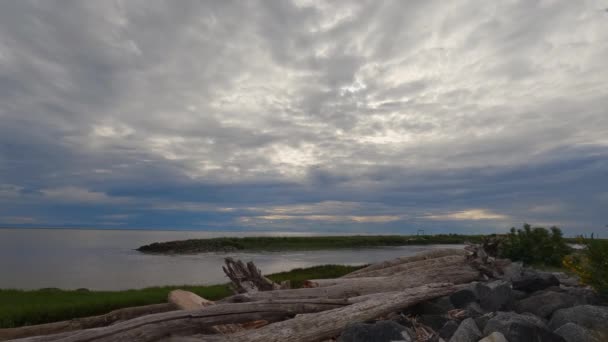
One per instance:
(105, 259)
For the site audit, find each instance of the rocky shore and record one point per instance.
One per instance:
(526, 306)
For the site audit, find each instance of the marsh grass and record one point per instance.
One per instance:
(27, 307)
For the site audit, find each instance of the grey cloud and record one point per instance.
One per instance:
(343, 101)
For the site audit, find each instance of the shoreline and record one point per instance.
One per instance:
(300, 243)
(31, 307)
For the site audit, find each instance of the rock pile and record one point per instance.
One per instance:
(525, 306)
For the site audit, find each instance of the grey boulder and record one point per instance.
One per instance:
(544, 303)
(532, 281)
(381, 331)
(575, 333)
(448, 329)
(494, 296)
(588, 316)
(521, 328)
(461, 298)
(467, 332)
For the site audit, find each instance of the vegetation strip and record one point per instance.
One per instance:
(229, 244)
(20, 307)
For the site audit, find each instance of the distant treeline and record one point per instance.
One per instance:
(226, 244)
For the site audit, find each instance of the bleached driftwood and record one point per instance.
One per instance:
(157, 326)
(186, 300)
(247, 277)
(458, 274)
(84, 322)
(435, 253)
(321, 311)
(314, 327)
(406, 269)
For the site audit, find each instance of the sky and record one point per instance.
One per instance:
(314, 116)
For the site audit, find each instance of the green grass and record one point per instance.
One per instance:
(300, 243)
(21, 307)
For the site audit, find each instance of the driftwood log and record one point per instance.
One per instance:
(456, 274)
(246, 278)
(157, 326)
(319, 311)
(314, 327)
(432, 254)
(186, 300)
(84, 322)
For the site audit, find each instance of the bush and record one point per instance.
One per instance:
(591, 264)
(536, 246)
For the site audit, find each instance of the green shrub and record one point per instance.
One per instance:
(536, 246)
(591, 264)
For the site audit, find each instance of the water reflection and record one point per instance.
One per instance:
(105, 260)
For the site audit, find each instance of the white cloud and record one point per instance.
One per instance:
(72, 194)
(327, 218)
(468, 215)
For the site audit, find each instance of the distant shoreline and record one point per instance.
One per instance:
(304, 243)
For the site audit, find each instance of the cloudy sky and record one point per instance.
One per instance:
(362, 116)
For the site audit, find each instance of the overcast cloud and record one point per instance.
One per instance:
(362, 116)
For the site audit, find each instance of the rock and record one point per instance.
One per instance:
(483, 320)
(585, 295)
(461, 298)
(532, 281)
(473, 310)
(495, 295)
(438, 306)
(381, 331)
(467, 331)
(513, 271)
(575, 333)
(521, 328)
(587, 316)
(519, 295)
(448, 329)
(544, 303)
(566, 280)
(494, 337)
(435, 322)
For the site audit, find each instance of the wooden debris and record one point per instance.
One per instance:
(435, 253)
(186, 300)
(458, 274)
(247, 278)
(84, 322)
(324, 325)
(262, 310)
(182, 322)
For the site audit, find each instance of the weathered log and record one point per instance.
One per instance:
(458, 274)
(429, 265)
(436, 253)
(156, 326)
(186, 300)
(84, 322)
(247, 277)
(314, 327)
